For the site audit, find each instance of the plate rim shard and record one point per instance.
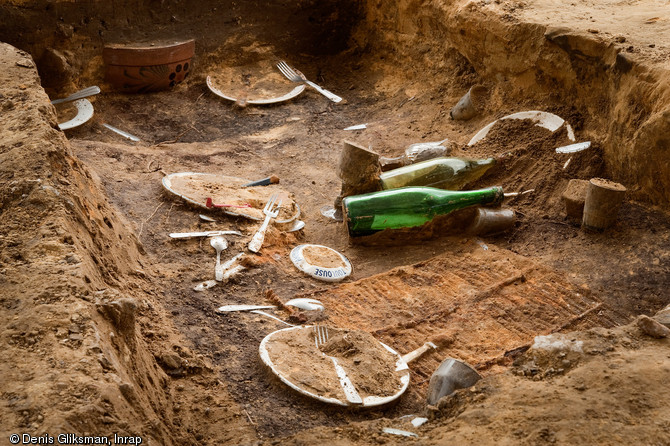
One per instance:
(574, 148)
(84, 114)
(542, 119)
(290, 95)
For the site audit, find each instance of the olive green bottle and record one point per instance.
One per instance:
(443, 173)
(409, 206)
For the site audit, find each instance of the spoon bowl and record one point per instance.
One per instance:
(305, 303)
(219, 243)
(296, 226)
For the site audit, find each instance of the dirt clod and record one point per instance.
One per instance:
(323, 257)
(652, 327)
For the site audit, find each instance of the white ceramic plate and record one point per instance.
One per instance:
(84, 113)
(290, 95)
(401, 368)
(168, 184)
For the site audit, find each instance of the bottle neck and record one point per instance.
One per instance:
(485, 161)
(387, 164)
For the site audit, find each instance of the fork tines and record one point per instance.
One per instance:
(320, 334)
(288, 72)
(271, 202)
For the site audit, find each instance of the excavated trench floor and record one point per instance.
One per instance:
(547, 271)
(487, 296)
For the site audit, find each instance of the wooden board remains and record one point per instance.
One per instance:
(479, 303)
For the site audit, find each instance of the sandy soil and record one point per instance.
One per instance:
(104, 333)
(644, 32)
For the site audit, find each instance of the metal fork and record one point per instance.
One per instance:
(293, 76)
(259, 236)
(321, 337)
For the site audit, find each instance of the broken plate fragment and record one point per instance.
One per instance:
(84, 114)
(205, 285)
(574, 148)
(296, 226)
(240, 307)
(306, 303)
(419, 421)
(357, 127)
(121, 132)
(542, 119)
(329, 211)
(181, 235)
(393, 431)
(206, 218)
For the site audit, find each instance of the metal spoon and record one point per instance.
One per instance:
(296, 226)
(263, 313)
(218, 243)
(121, 132)
(305, 303)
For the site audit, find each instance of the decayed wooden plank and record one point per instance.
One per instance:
(479, 304)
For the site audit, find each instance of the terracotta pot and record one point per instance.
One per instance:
(142, 69)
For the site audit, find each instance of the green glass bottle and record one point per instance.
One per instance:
(409, 206)
(443, 173)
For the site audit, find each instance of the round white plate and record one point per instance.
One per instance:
(290, 95)
(238, 212)
(401, 368)
(318, 271)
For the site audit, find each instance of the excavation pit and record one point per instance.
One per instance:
(98, 302)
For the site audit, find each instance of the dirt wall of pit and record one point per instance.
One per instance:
(626, 98)
(87, 347)
(66, 38)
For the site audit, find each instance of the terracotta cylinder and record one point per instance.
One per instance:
(142, 68)
(602, 203)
